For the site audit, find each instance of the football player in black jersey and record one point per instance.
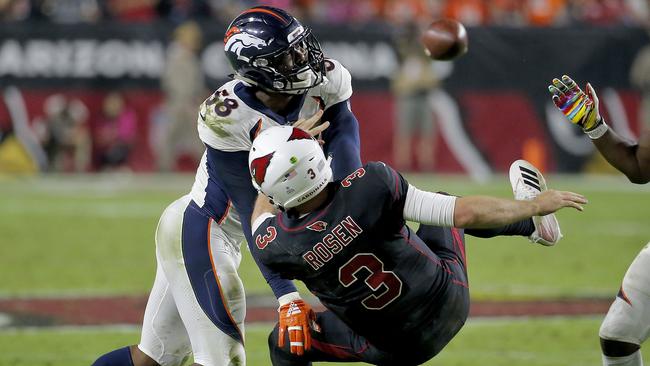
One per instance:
(393, 296)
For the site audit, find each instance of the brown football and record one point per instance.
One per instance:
(444, 39)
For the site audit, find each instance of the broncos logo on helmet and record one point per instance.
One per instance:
(237, 42)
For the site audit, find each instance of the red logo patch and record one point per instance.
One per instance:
(298, 134)
(259, 166)
(318, 226)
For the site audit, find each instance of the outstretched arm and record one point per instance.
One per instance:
(482, 211)
(581, 108)
(342, 139)
(631, 159)
(486, 212)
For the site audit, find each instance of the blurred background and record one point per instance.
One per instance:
(98, 107)
(113, 85)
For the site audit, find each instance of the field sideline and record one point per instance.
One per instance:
(93, 236)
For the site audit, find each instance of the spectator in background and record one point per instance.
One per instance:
(412, 85)
(599, 12)
(64, 134)
(226, 10)
(639, 11)
(640, 78)
(506, 13)
(68, 11)
(402, 12)
(545, 13)
(132, 10)
(179, 11)
(115, 133)
(184, 88)
(469, 12)
(14, 10)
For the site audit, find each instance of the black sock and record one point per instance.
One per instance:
(523, 228)
(119, 357)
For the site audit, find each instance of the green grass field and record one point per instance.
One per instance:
(94, 235)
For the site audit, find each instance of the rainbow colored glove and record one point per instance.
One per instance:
(580, 108)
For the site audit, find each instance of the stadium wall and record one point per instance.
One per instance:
(493, 106)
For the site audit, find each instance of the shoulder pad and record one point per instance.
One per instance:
(224, 120)
(339, 83)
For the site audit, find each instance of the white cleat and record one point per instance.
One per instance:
(527, 182)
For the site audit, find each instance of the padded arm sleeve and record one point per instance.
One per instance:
(231, 170)
(429, 208)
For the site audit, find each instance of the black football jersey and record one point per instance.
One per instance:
(357, 255)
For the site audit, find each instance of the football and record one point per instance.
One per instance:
(444, 39)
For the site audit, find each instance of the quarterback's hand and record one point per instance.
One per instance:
(310, 125)
(551, 200)
(296, 317)
(579, 107)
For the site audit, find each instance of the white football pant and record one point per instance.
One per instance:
(628, 319)
(197, 304)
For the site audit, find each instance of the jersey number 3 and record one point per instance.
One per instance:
(385, 284)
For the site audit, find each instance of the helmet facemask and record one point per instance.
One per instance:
(293, 70)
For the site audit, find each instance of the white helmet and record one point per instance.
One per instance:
(288, 165)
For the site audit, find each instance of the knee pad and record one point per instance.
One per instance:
(613, 348)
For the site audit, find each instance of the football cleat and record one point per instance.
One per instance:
(527, 182)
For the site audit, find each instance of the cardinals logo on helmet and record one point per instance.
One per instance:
(318, 226)
(298, 134)
(259, 166)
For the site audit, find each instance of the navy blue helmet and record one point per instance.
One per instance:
(269, 48)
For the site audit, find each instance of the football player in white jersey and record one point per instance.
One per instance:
(197, 304)
(627, 323)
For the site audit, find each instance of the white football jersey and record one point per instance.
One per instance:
(230, 118)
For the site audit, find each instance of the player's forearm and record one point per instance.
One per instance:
(629, 158)
(342, 140)
(487, 212)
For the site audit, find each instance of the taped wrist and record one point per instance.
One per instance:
(287, 298)
(598, 131)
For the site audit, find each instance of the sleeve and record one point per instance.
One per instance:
(339, 83)
(227, 168)
(396, 187)
(342, 140)
(429, 208)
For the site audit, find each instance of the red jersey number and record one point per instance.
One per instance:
(263, 240)
(386, 285)
(356, 174)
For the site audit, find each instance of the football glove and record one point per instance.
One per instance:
(296, 317)
(579, 107)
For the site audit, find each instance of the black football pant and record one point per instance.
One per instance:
(337, 342)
